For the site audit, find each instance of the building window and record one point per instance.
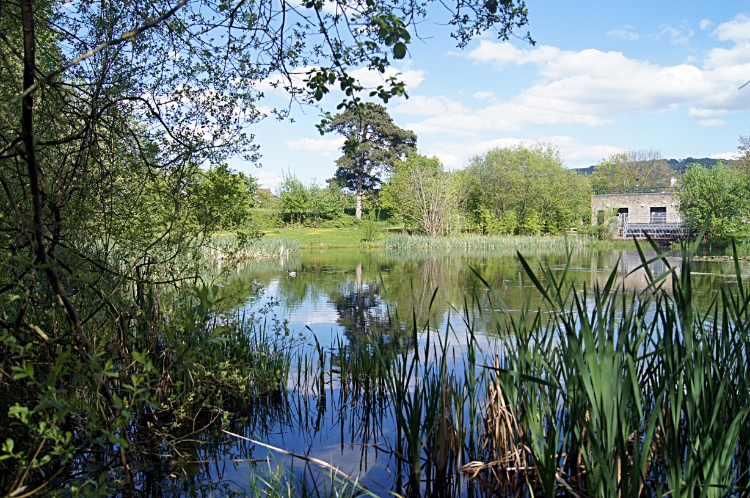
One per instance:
(658, 215)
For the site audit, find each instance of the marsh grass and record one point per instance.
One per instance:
(599, 392)
(399, 242)
(281, 482)
(224, 247)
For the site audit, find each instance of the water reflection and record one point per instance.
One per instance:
(353, 296)
(350, 293)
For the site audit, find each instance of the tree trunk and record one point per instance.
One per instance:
(32, 163)
(358, 212)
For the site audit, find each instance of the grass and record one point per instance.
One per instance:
(320, 238)
(485, 242)
(284, 483)
(332, 238)
(228, 246)
(599, 393)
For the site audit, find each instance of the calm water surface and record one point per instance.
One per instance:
(341, 295)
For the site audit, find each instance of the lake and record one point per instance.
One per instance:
(340, 298)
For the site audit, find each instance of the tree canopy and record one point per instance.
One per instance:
(720, 194)
(631, 168)
(525, 189)
(373, 145)
(111, 113)
(429, 199)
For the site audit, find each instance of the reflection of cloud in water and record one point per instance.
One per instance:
(310, 316)
(273, 287)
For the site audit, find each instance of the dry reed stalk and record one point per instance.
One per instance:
(316, 461)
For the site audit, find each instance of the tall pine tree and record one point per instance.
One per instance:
(373, 144)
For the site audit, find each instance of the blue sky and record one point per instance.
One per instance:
(603, 77)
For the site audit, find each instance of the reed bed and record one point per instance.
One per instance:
(400, 242)
(598, 393)
(230, 247)
(615, 395)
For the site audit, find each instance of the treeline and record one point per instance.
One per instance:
(518, 190)
(678, 165)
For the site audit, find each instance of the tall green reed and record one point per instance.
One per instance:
(401, 242)
(617, 395)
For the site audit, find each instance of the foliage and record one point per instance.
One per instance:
(370, 228)
(744, 150)
(111, 114)
(594, 393)
(224, 201)
(267, 218)
(720, 194)
(182, 364)
(325, 203)
(345, 221)
(294, 198)
(373, 145)
(598, 375)
(525, 189)
(232, 248)
(428, 199)
(631, 168)
(307, 203)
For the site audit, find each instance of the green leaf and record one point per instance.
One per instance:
(399, 50)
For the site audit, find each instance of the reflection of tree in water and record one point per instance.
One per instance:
(360, 309)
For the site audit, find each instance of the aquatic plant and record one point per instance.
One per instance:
(400, 242)
(597, 393)
(231, 247)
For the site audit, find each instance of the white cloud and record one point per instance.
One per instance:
(325, 146)
(625, 33)
(505, 53)
(456, 155)
(575, 152)
(678, 36)
(726, 156)
(368, 78)
(711, 122)
(277, 83)
(267, 179)
(371, 78)
(594, 88)
(735, 30)
(706, 24)
(483, 95)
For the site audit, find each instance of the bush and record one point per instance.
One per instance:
(344, 221)
(266, 218)
(370, 228)
(531, 224)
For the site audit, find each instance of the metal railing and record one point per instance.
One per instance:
(634, 190)
(657, 225)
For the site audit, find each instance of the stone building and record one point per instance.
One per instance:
(659, 207)
(654, 210)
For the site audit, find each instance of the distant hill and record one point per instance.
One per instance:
(679, 165)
